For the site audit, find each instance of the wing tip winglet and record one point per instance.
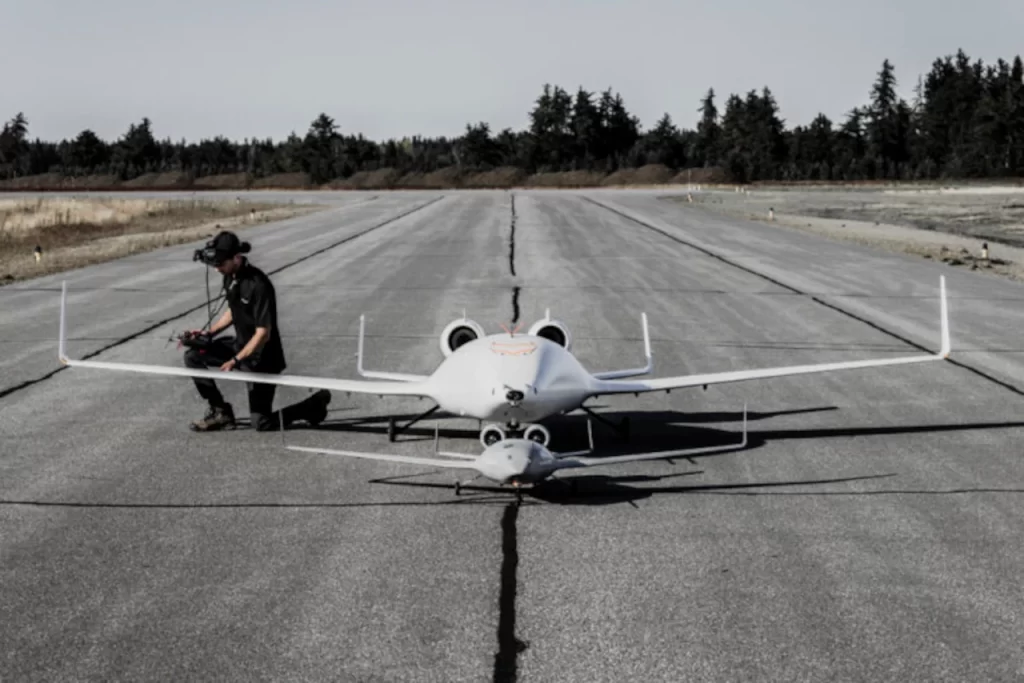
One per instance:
(946, 349)
(62, 356)
(743, 442)
(359, 351)
(647, 343)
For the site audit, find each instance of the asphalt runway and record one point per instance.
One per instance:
(870, 531)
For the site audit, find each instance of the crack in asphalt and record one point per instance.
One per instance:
(509, 646)
(512, 240)
(512, 263)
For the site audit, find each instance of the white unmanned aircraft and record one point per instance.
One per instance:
(509, 381)
(519, 461)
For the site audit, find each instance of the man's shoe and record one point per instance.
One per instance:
(215, 418)
(316, 411)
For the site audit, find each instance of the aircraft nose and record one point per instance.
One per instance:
(515, 464)
(506, 461)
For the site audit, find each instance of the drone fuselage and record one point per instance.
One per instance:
(516, 462)
(511, 379)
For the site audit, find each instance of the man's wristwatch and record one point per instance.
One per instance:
(235, 358)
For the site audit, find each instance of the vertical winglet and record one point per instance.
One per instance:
(359, 356)
(743, 443)
(647, 344)
(280, 426)
(397, 376)
(634, 372)
(944, 308)
(61, 351)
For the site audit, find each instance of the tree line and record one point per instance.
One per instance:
(965, 120)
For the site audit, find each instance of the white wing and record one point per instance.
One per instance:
(603, 387)
(381, 388)
(464, 464)
(418, 387)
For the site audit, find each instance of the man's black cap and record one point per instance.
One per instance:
(225, 245)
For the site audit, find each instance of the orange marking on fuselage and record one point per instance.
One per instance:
(514, 348)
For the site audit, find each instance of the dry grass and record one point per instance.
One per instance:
(77, 232)
(381, 179)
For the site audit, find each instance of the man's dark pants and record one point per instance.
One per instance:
(261, 396)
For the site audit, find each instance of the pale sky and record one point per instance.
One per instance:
(389, 68)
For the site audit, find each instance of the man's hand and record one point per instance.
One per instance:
(230, 365)
(193, 338)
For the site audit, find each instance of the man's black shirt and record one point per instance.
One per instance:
(253, 302)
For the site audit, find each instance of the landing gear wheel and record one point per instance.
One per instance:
(458, 488)
(391, 429)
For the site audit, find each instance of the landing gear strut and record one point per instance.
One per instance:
(394, 430)
(622, 428)
(460, 484)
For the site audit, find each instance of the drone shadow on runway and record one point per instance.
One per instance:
(654, 431)
(600, 489)
(650, 430)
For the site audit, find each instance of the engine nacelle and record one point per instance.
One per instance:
(538, 433)
(491, 434)
(553, 330)
(458, 332)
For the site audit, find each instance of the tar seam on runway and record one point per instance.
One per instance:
(512, 263)
(509, 647)
(512, 240)
(854, 316)
(131, 337)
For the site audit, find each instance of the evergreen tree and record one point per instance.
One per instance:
(965, 119)
(708, 132)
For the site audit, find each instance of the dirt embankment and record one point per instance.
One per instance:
(71, 233)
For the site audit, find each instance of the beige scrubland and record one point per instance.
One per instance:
(75, 232)
(505, 177)
(380, 179)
